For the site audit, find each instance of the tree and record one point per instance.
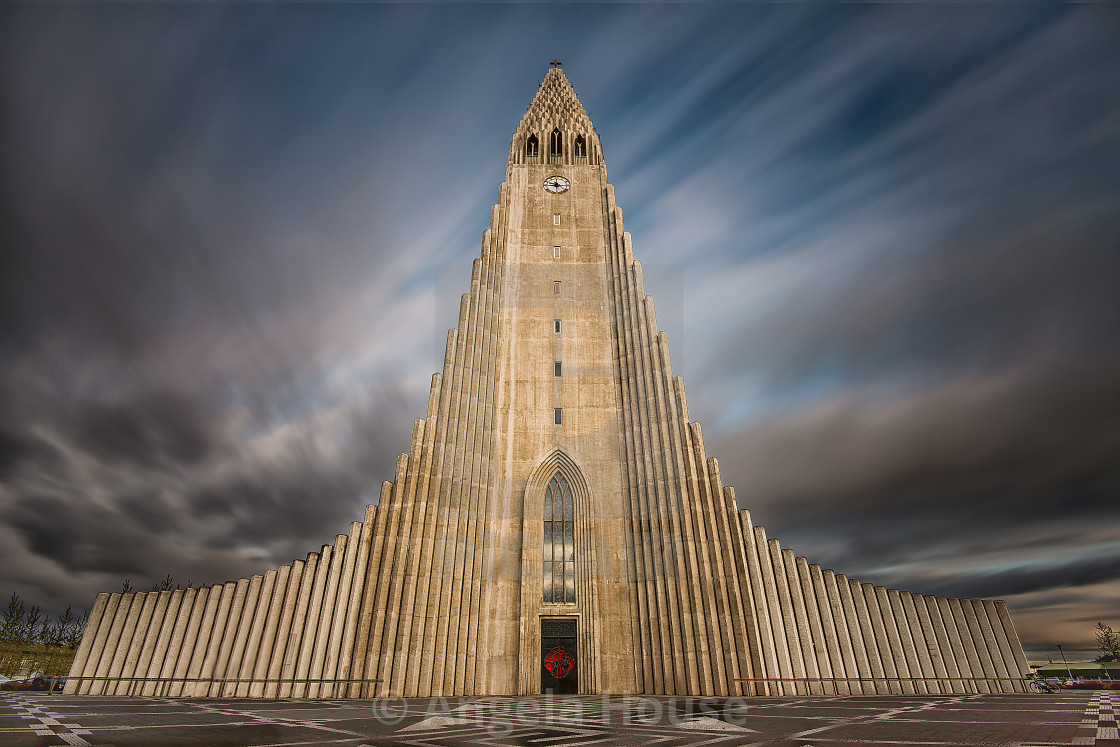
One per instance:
(1108, 642)
(11, 623)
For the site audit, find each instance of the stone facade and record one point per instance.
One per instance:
(555, 480)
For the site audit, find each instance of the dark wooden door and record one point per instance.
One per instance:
(559, 661)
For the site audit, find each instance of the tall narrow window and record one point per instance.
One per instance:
(555, 143)
(556, 326)
(580, 147)
(532, 146)
(559, 550)
(556, 219)
(556, 287)
(556, 252)
(557, 416)
(556, 369)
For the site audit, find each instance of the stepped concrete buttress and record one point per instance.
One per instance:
(555, 487)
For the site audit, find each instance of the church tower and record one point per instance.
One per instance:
(556, 525)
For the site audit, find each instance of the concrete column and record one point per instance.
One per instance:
(267, 649)
(401, 514)
(127, 643)
(991, 645)
(357, 594)
(326, 615)
(256, 632)
(104, 666)
(690, 655)
(383, 641)
(789, 620)
(945, 654)
(837, 629)
(652, 662)
(462, 505)
(762, 613)
(1003, 644)
(956, 645)
(150, 637)
(641, 601)
(869, 635)
(863, 670)
(709, 640)
(366, 653)
(342, 604)
(936, 650)
(81, 658)
(743, 647)
(217, 634)
(898, 615)
(379, 651)
(465, 676)
(1012, 638)
(178, 632)
(228, 638)
(968, 642)
(190, 636)
(816, 628)
(198, 659)
(986, 663)
(311, 627)
(241, 637)
(698, 654)
(879, 639)
(283, 630)
(300, 618)
(162, 642)
(418, 677)
(801, 621)
(777, 625)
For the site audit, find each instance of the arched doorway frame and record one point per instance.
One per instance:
(533, 608)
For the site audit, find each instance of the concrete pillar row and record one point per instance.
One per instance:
(298, 627)
(192, 622)
(837, 638)
(265, 648)
(125, 647)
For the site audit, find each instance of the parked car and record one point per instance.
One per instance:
(35, 683)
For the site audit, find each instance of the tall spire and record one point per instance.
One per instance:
(555, 107)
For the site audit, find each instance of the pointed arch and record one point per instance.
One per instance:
(556, 142)
(532, 146)
(579, 149)
(557, 467)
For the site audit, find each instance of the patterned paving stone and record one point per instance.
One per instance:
(1074, 718)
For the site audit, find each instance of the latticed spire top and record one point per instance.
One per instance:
(555, 128)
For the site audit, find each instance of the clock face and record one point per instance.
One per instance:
(556, 184)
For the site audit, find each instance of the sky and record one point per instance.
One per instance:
(882, 239)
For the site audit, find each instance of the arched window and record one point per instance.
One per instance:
(556, 143)
(532, 146)
(580, 150)
(559, 550)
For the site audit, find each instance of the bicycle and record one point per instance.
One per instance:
(1042, 685)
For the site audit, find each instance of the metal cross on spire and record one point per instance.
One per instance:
(555, 63)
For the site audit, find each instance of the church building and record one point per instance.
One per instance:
(556, 525)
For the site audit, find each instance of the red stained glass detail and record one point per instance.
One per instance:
(559, 662)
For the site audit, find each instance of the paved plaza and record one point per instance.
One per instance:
(1073, 718)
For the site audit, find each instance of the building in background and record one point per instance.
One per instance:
(556, 525)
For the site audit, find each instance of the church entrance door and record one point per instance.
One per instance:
(559, 667)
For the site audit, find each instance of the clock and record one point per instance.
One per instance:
(556, 184)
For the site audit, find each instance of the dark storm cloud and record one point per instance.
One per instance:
(151, 430)
(1074, 573)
